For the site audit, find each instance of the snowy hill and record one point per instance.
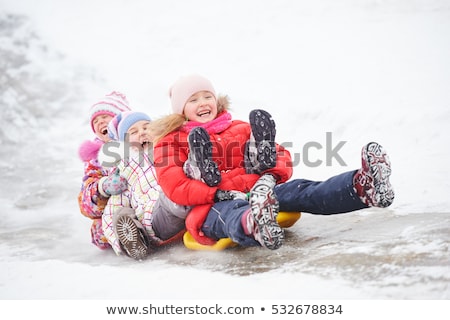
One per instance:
(362, 70)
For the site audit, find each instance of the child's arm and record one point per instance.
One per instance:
(90, 200)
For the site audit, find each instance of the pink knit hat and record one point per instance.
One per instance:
(185, 87)
(112, 104)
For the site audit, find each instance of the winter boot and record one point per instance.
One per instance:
(200, 165)
(132, 237)
(372, 180)
(261, 221)
(261, 153)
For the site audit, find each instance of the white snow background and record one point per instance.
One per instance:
(362, 70)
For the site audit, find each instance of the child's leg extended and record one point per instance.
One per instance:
(224, 220)
(349, 191)
(248, 223)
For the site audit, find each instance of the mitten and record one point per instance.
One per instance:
(113, 184)
(224, 195)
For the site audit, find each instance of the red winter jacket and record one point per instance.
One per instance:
(171, 152)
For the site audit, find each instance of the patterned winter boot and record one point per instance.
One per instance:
(261, 153)
(200, 165)
(132, 237)
(261, 220)
(372, 180)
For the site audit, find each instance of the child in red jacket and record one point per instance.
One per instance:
(231, 157)
(230, 160)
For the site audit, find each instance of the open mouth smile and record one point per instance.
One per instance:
(204, 113)
(145, 144)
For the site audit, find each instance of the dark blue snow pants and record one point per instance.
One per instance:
(335, 195)
(224, 221)
(332, 196)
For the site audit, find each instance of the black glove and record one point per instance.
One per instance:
(224, 195)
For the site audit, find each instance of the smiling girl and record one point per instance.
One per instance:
(93, 196)
(234, 157)
(201, 132)
(141, 218)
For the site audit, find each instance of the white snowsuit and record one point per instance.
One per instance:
(142, 194)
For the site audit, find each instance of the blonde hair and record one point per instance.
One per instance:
(172, 122)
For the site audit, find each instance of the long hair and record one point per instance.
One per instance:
(172, 122)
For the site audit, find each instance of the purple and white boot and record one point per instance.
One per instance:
(372, 180)
(261, 220)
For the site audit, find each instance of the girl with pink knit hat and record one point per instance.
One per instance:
(232, 158)
(97, 187)
(205, 159)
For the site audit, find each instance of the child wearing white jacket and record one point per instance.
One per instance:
(147, 219)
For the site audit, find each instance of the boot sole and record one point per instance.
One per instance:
(131, 238)
(264, 131)
(201, 146)
(376, 161)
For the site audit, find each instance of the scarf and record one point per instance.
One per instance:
(219, 124)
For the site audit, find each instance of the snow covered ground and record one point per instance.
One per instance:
(362, 70)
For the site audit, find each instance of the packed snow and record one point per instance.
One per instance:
(372, 70)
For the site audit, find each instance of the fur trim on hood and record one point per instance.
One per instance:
(223, 103)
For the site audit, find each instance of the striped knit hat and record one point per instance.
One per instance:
(112, 104)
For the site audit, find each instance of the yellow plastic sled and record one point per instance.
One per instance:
(284, 219)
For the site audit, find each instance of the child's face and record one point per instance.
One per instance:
(139, 135)
(201, 107)
(100, 125)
